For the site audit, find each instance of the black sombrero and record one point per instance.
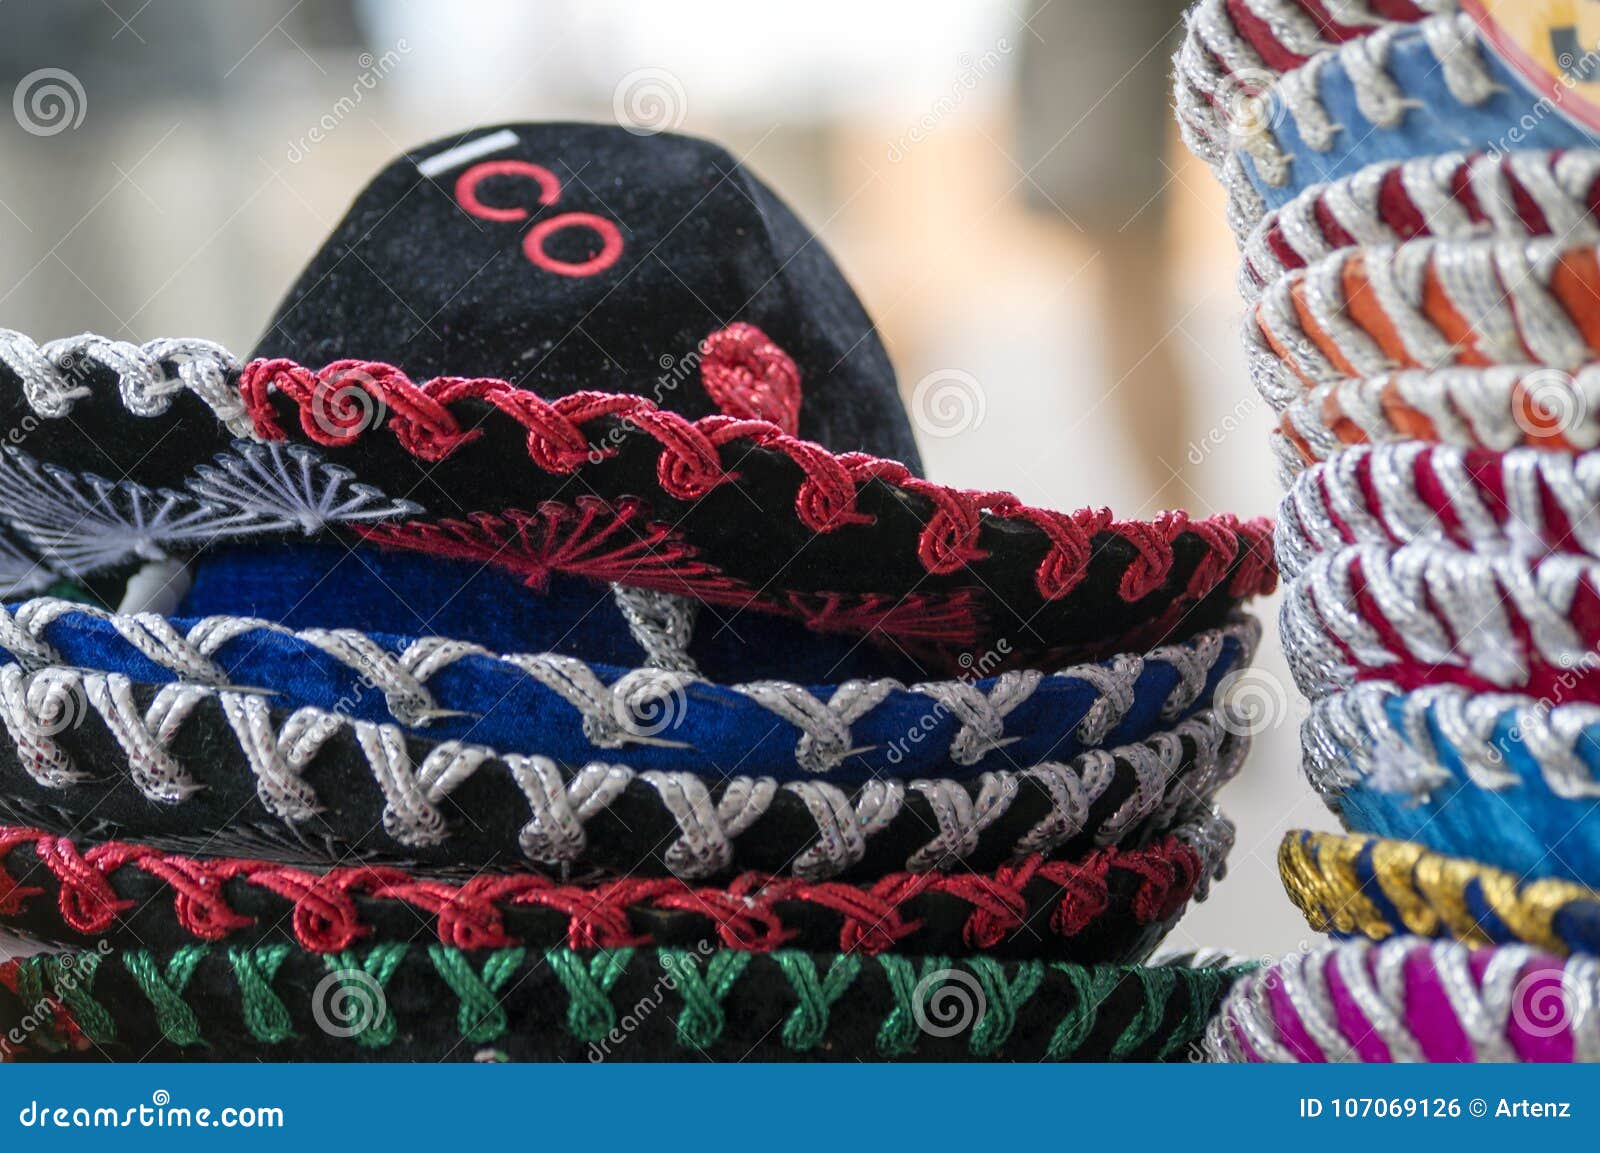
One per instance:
(519, 320)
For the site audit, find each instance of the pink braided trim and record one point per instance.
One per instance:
(690, 466)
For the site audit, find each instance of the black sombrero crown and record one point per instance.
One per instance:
(576, 257)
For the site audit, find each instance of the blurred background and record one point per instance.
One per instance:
(1001, 179)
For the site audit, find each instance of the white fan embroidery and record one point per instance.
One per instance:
(82, 522)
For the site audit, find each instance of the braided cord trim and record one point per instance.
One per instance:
(1427, 304)
(328, 912)
(1408, 999)
(1424, 611)
(616, 708)
(1377, 736)
(1455, 196)
(1234, 77)
(1524, 501)
(416, 778)
(1379, 888)
(1499, 408)
(690, 465)
(265, 997)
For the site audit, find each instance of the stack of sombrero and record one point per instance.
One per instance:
(545, 646)
(1415, 191)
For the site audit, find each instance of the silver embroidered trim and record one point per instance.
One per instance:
(1488, 614)
(1467, 407)
(1557, 183)
(1507, 998)
(1380, 737)
(620, 714)
(37, 707)
(81, 523)
(1228, 97)
(1369, 495)
(148, 375)
(1500, 286)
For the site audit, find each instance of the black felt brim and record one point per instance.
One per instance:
(878, 551)
(339, 807)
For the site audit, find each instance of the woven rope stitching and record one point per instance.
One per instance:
(1072, 1001)
(1338, 882)
(752, 912)
(35, 707)
(1455, 196)
(1492, 617)
(1378, 737)
(1525, 502)
(609, 712)
(689, 466)
(1288, 1013)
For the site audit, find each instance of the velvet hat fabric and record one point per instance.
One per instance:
(570, 258)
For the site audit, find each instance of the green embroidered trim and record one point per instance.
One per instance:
(701, 1022)
(988, 998)
(590, 1015)
(805, 1027)
(163, 987)
(1002, 1001)
(264, 1014)
(356, 1002)
(1092, 988)
(481, 1017)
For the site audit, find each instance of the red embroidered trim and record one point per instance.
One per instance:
(625, 546)
(750, 377)
(749, 912)
(591, 538)
(690, 466)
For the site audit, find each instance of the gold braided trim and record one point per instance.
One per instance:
(1326, 877)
